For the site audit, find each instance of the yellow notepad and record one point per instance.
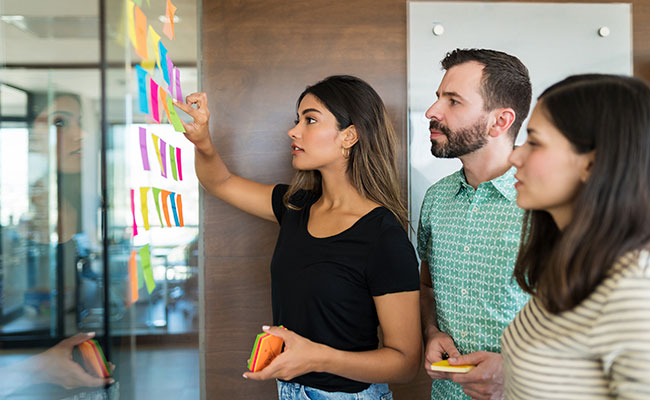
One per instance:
(445, 367)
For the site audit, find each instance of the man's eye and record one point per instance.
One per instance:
(60, 122)
(454, 102)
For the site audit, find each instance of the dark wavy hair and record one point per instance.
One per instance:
(609, 115)
(505, 81)
(372, 165)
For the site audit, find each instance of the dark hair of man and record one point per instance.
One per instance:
(609, 115)
(505, 81)
(372, 162)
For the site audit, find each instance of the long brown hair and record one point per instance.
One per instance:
(372, 164)
(611, 116)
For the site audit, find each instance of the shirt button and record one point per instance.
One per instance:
(464, 292)
(466, 248)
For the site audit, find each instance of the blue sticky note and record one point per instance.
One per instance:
(173, 198)
(142, 85)
(163, 61)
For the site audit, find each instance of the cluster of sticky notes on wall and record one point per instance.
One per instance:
(159, 85)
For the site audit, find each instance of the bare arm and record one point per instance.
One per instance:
(396, 361)
(435, 342)
(249, 196)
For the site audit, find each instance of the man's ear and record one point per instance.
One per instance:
(588, 163)
(503, 120)
(350, 137)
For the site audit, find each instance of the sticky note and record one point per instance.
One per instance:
(164, 195)
(143, 149)
(135, 226)
(133, 278)
(179, 164)
(445, 367)
(172, 161)
(142, 89)
(168, 29)
(154, 100)
(140, 32)
(173, 199)
(156, 146)
(163, 100)
(152, 46)
(145, 209)
(265, 349)
(163, 158)
(163, 61)
(177, 81)
(131, 22)
(156, 195)
(145, 259)
(179, 205)
(170, 73)
(173, 117)
(101, 359)
(90, 361)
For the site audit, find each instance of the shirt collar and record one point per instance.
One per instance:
(504, 184)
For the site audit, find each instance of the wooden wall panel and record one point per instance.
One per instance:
(257, 56)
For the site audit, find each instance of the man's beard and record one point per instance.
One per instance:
(460, 142)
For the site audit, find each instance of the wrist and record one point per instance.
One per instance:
(205, 148)
(324, 357)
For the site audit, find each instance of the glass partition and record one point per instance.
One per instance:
(72, 137)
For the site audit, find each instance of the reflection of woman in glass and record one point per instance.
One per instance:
(58, 121)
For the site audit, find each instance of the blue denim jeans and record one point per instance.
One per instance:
(296, 391)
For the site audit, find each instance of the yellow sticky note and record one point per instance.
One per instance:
(152, 46)
(445, 367)
(143, 204)
(131, 22)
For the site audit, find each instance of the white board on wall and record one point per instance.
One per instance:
(553, 40)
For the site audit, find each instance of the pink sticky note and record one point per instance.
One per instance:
(178, 164)
(177, 82)
(135, 227)
(154, 101)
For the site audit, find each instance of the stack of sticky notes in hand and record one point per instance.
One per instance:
(265, 349)
(93, 358)
(445, 367)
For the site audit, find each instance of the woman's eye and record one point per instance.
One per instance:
(296, 122)
(310, 120)
(60, 122)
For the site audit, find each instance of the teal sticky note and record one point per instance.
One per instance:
(142, 89)
(145, 259)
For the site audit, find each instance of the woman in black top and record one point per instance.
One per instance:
(343, 263)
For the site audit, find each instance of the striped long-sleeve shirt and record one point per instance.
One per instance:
(598, 350)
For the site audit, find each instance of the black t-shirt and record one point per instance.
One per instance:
(323, 288)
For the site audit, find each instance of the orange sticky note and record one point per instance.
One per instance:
(133, 278)
(168, 29)
(179, 207)
(265, 349)
(163, 100)
(140, 32)
(164, 196)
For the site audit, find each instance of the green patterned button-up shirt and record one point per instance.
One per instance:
(470, 239)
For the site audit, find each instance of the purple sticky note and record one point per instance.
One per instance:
(170, 73)
(177, 82)
(154, 101)
(178, 164)
(163, 157)
(143, 149)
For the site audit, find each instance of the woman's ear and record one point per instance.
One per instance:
(350, 137)
(587, 165)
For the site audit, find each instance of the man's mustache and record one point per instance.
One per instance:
(435, 125)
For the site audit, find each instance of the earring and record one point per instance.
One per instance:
(346, 152)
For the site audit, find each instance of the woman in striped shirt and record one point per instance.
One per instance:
(584, 177)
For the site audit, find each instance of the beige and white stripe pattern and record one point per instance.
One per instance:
(598, 350)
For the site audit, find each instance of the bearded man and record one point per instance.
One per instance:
(470, 225)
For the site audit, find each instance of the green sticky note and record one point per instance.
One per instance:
(145, 259)
(173, 116)
(156, 195)
(172, 161)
